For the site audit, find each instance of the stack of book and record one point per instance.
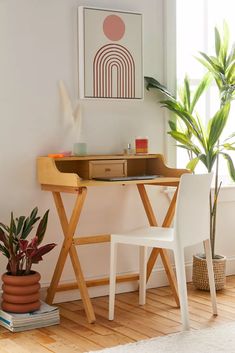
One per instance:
(47, 315)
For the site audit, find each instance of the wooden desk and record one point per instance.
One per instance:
(73, 175)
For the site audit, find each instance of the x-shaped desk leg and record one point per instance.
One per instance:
(156, 251)
(68, 248)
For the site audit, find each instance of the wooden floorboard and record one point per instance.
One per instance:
(158, 317)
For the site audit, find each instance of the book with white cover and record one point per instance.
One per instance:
(47, 315)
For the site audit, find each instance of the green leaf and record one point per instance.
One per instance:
(181, 95)
(225, 41)
(203, 85)
(219, 82)
(42, 227)
(12, 224)
(206, 64)
(4, 250)
(184, 147)
(192, 164)
(20, 222)
(172, 125)
(214, 65)
(230, 164)
(153, 83)
(203, 158)
(33, 214)
(217, 125)
(230, 72)
(217, 42)
(5, 228)
(229, 146)
(29, 223)
(187, 93)
(203, 136)
(231, 55)
(228, 138)
(217, 64)
(182, 138)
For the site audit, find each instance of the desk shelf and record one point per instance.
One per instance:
(75, 171)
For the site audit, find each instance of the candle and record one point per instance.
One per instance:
(141, 145)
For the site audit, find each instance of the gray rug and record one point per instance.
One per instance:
(219, 339)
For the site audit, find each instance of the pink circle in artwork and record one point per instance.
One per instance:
(114, 27)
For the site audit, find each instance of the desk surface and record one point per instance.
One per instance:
(164, 181)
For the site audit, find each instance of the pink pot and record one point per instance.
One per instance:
(21, 293)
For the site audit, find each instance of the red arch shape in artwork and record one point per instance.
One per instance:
(104, 55)
(110, 66)
(113, 67)
(99, 69)
(108, 58)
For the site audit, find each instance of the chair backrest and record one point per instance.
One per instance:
(192, 217)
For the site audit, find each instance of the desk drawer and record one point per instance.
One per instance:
(107, 168)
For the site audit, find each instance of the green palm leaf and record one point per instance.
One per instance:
(153, 83)
(182, 138)
(225, 41)
(217, 125)
(230, 165)
(172, 125)
(229, 146)
(217, 42)
(203, 85)
(230, 73)
(187, 93)
(192, 164)
(214, 65)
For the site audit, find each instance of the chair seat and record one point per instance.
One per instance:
(147, 236)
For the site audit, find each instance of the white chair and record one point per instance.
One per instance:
(191, 226)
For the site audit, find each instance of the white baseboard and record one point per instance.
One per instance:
(158, 279)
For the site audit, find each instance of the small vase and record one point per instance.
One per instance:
(21, 294)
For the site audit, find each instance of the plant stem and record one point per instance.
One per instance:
(214, 209)
(28, 266)
(211, 216)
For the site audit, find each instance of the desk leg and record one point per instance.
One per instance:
(147, 205)
(156, 251)
(68, 247)
(164, 255)
(170, 274)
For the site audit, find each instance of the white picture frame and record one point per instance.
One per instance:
(110, 54)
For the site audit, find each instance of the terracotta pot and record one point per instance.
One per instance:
(200, 274)
(21, 293)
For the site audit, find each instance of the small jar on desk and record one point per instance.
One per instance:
(129, 151)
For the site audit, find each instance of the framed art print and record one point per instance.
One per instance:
(110, 54)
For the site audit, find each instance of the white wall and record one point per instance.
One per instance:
(38, 48)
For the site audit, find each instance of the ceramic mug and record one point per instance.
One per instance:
(80, 149)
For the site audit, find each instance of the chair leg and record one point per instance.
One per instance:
(182, 288)
(143, 274)
(207, 247)
(112, 278)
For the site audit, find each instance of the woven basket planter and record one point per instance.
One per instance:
(200, 274)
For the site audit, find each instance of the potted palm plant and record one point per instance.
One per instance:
(203, 141)
(20, 283)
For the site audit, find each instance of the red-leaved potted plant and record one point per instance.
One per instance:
(20, 283)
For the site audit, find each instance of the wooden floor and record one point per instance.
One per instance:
(132, 322)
